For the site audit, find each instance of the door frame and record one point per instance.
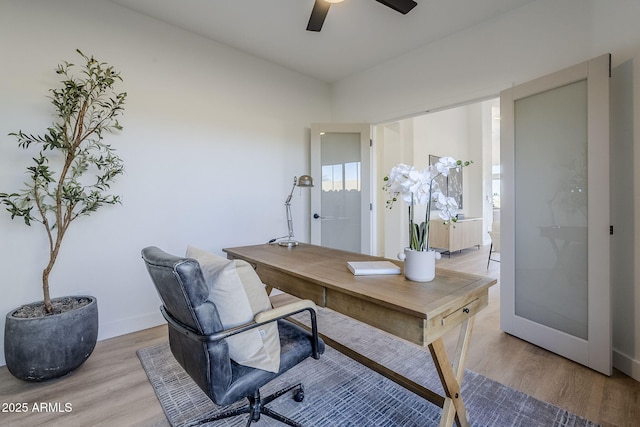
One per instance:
(596, 351)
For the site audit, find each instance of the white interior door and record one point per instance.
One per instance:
(555, 287)
(341, 205)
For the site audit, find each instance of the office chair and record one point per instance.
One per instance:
(198, 339)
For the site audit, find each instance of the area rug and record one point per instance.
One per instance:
(341, 392)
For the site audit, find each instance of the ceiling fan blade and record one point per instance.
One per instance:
(318, 13)
(402, 6)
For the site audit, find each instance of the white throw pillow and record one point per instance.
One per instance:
(259, 301)
(254, 348)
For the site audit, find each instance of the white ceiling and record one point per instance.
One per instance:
(357, 34)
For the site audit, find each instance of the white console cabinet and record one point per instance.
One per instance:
(455, 236)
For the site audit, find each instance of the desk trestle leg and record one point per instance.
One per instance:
(451, 376)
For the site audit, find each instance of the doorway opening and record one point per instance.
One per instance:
(467, 132)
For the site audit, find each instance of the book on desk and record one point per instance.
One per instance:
(370, 268)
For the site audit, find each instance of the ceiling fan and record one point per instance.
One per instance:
(321, 8)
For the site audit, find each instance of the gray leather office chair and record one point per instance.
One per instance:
(197, 338)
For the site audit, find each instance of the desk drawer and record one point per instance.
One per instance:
(461, 314)
(449, 319)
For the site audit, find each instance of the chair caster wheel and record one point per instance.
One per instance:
(299, 396)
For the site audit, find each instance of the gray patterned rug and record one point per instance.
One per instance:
(342, 392)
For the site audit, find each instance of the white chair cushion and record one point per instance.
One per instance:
(238, 295)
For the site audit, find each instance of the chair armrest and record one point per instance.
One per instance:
(260, 319)
(289, 310)
(285, 310)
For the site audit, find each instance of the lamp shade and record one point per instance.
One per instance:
(305, 181)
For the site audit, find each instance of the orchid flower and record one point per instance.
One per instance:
(420, 188)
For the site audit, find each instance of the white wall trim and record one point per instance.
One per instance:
(626, 364)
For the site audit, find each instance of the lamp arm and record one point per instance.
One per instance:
(287, 205)
(295, 182)
(289, 220)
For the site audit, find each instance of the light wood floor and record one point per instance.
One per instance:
(111, 389)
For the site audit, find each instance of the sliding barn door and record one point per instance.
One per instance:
(555, 289)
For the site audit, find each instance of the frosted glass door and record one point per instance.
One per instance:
(551, 209)
(341, 195)
(340, 205)
(555, 289)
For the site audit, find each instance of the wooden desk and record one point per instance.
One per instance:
(418, 312)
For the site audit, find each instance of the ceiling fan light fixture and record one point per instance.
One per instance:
(321, 8)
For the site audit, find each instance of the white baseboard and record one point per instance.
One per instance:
(626, 365)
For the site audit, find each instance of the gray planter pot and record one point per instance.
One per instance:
(42, 348)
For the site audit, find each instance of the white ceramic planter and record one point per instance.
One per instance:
(419, 266)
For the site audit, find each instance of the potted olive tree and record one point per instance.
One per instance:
(69, 178)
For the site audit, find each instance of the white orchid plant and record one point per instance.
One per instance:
(420, 188)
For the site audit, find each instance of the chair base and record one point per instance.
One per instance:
(256, 407)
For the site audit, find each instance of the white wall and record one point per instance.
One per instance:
(537, 39)
(212, 139)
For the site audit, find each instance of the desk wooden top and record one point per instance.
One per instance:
(327, 268)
